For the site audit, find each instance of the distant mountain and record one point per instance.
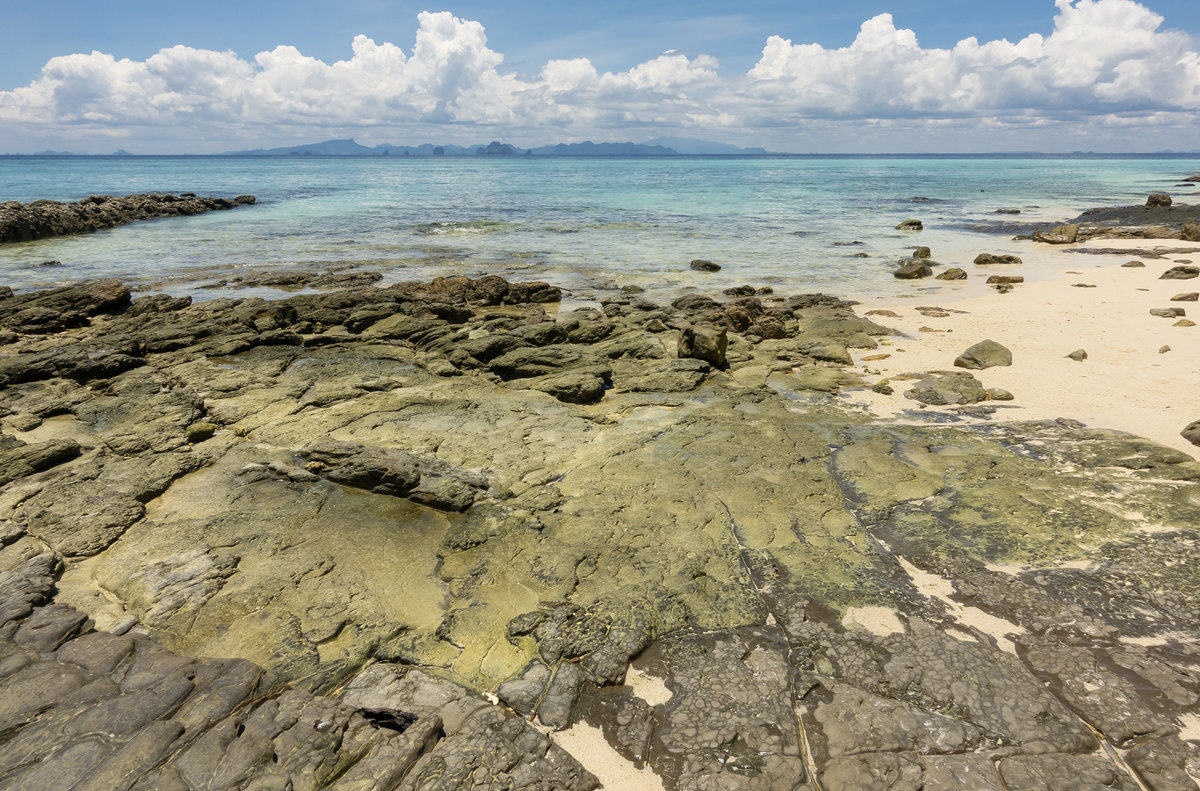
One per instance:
(589, 149)
(690, 145)
(329, 148)
(498, 149)
(659, 147)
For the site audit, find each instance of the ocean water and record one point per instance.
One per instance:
(798, 224)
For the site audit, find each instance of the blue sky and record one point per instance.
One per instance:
(1097, 74)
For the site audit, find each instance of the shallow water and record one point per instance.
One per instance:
(798, 224)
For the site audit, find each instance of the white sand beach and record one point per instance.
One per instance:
(1142, 372)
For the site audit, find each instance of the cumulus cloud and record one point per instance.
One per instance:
(1104, 60)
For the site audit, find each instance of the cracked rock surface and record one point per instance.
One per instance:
(397, 537)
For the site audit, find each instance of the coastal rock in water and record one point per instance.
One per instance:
(985, 354)
(911, 269)
(911, 225)
(1192, 433)
(1181, 272)
(947, 389)
(1158, 199)
(57, 309)
(953, 273)
(1062, 234)
(922, 252)
(44, 218)
(1006, 280)
(703, 343)
(1079, 355)
(700, 265)
(984, 259)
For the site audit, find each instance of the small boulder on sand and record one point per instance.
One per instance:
(1181, 272)
(984, 259)
(1192, 432)
(985, 354)
(1079, 355)
(953, 273)
(1190, 296)
(1158, 199)
(1133, 264)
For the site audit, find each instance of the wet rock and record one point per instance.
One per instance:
(43, 218)
(910, 225)
(1158, 199)
(1004, 280)
(922, 252)
(947, 389)
(985, 354)
(700, 265)
(913, 270)
(953, 273)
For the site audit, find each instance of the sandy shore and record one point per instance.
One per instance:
(1141, 372)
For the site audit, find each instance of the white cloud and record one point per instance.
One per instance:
(1104, 60)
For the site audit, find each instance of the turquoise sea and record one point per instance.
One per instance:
(795, 223)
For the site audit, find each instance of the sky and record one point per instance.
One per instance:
(787, 75)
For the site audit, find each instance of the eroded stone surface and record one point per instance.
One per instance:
(404, 499)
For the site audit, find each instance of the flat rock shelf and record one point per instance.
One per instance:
(433, 523)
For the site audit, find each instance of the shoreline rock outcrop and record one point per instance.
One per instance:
(23, 222)
(387, 504)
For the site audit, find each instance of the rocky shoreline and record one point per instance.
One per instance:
(23, 222)
(434, 523)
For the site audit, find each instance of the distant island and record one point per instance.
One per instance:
(659, 147)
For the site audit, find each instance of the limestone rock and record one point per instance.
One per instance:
(1191, 432)
(1181, 272)
(984, 259)
(703, 343)
(946, 389)
(1061, 234)
(985, 354)
(913, 269)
